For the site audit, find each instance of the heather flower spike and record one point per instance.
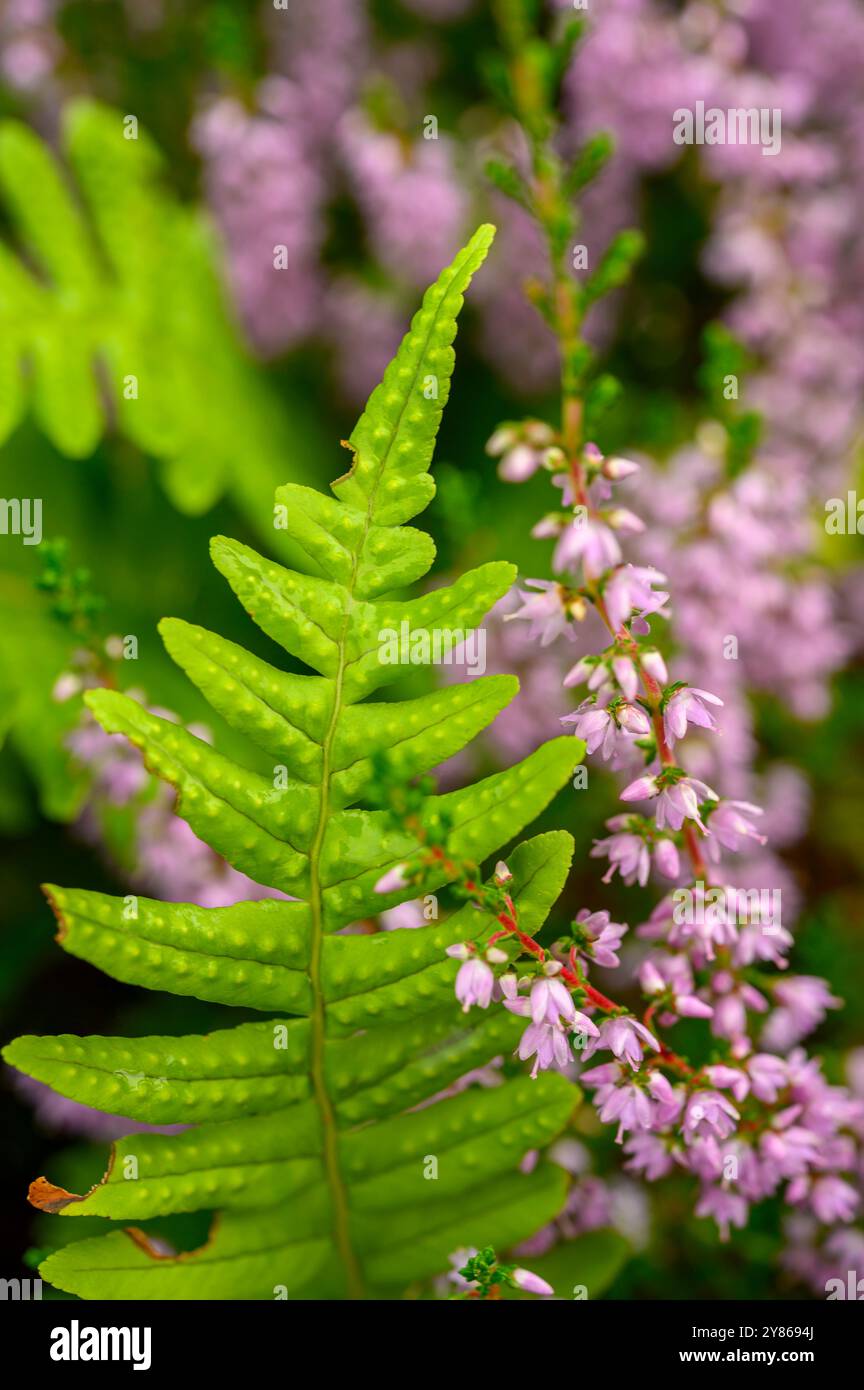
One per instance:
(705, 935)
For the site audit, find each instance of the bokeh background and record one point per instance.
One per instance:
(306, 128)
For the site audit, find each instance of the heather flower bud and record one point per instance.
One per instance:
(641, 789)
(519, 464)
(532, 1283)
(650, 978)
(501, 440)
(65, 687)
(666, 858)
(625, 674)
(579, 673)
(616, 468)
(688, 1006)
(538, 433)
(654, 665)
(622, 519)
(461, 950)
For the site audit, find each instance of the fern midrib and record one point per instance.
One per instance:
(332, 1166)
(338, 1193)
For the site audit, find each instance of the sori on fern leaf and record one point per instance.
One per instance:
(308, 1133)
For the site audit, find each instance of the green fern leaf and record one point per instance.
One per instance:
(311, 1130)
(117, 284)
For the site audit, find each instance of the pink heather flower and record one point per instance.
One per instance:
(606, 1074)
(544, 611)
(605, 937)
(520, 449)
(833, 1200)
(600, 726)
(532, 1283)
(519, 464)
(804, 1001)
(582, 1027)
(547, 1044)
(730, 1009)
(680, 802)
(666, 858)
(729, 1079)
(769, 1075)
(649, 1154)
(628, 1104)
(629, 590)
(732, 827)
(624, 1037)
(708, 1113)
(676, 802)
(474, 984)
(662, 972)
(662, 1090)
(392, 881)
(595, 725)
(516, 1003)
(688, 705)
(633, 719)
(404, 917)
(755, 944)
(627, 853)
(727, 1208)
(590, 541)
(791, 1152)
(551, 1002)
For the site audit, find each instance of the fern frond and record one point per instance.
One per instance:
(311, 1135)
(116, 280)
